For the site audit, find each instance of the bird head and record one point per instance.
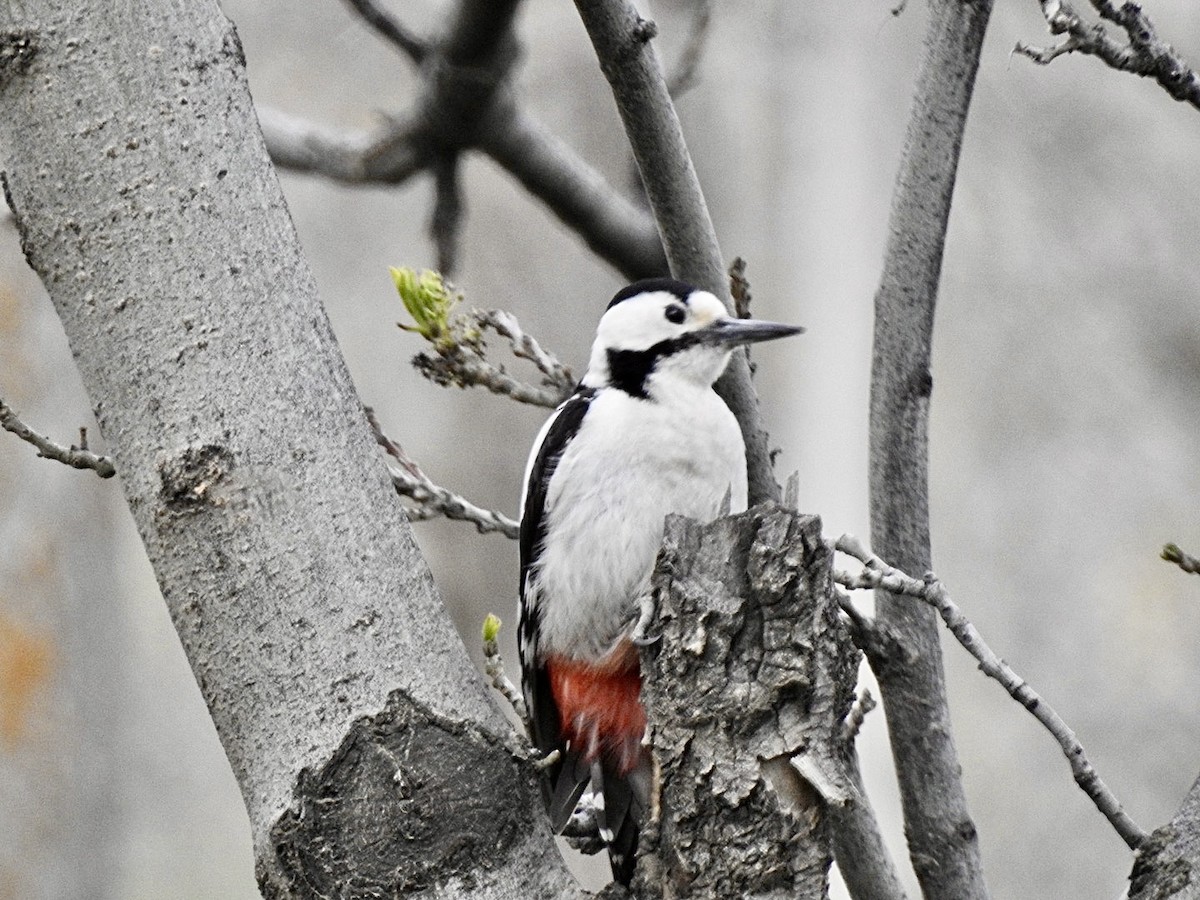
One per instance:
(662, 328)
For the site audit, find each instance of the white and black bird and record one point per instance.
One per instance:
(643, 435)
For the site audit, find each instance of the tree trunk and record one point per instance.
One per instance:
(753, 669)
(369, 756)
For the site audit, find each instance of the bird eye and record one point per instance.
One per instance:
(675, 313)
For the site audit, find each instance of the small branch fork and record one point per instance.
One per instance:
(1145, 54)
(460, 361)
(468, 104)
(876, 574)
(431, 499)
(77, 457)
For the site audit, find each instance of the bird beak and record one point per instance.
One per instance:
(731, 332)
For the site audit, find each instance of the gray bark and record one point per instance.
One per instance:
(753, 669)
(1167, 865)
(342, 695)
(942, 839)
(623, 44)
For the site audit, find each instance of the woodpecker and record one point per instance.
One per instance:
(643, 435)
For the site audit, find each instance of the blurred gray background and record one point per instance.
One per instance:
(1065, 413)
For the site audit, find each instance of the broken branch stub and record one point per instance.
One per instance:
(754, 673)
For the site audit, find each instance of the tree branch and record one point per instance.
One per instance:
(878, 575)
(75, 457)
(622, 40)
(943, 844)
(432, 499)
(619, 232)
(391, 30)
(389, 155)
(467, 103)
(1145, 54)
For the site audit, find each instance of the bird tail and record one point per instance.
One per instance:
(626, 796)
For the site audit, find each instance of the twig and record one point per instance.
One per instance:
(408, 43)
(739, 288)
(75, 457)
(524, 346)
(1144, 54)
(683, 76)
(457, 360)
(863, 704)
(432, 499)
(494, 667)
(1187, 562)
(876, 574)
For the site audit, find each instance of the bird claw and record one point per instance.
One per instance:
(648, 612)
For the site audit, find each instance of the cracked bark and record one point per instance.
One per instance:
(752, 669)
(340, 691)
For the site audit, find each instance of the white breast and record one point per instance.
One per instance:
(632, 463)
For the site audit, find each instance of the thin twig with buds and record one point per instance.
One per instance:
(494, 667)
(76, 457)
(432, 499)
(876, 574)
(458, 359)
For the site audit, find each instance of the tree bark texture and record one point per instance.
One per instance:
(941, 836)
(1167, 865)
(753, 669)
(623, 44)
(369, 756)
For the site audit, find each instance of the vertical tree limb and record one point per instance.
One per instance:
(366, 748)
(622, 40)
(942, 841)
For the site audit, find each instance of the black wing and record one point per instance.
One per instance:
(566, 779)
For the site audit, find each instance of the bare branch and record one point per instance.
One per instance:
(389, 155)
(864, 860)
(445, 224)
(623, 43)
(876, 574)
(75, 457)
(408, 43)
(1185, 561)
(614, 228)
(474, 371)
(1145, 54)
(432, 499)
(505, 324)
(943, 842)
